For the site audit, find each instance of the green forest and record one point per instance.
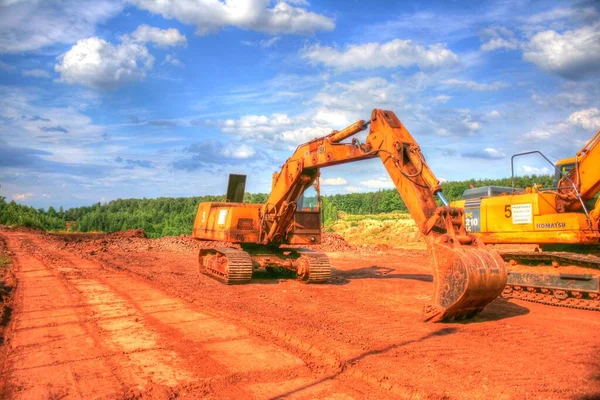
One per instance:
(167, 216)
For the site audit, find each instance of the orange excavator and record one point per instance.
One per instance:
(467, 275)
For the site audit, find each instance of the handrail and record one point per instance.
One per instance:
(512, 171)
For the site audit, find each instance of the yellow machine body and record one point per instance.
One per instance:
(528, 218)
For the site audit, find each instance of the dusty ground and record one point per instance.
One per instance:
(121, 316)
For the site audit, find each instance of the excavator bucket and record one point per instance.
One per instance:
(466, 279)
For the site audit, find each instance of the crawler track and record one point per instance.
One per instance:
(237, 270)
(580, 290)
(559, 257)
(573, 299)
(319, 268)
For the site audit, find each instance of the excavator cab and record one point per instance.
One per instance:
(562, 168)
(307, 218)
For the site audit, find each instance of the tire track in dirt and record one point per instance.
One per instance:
(52, 353)
(369, 328)
(147, 339)
(359, 336)
(337, 363)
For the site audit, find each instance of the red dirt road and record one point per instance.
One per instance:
(120, 316)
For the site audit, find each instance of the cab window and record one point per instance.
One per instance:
(309, 201)
(564, 169)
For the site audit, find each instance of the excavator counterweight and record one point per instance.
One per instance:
(467, 275)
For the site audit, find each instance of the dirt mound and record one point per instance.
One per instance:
(334, 242)
(129, 241)
(186, 243)
(131, 233)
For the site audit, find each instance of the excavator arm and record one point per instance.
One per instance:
(467, 276)
(300, 171)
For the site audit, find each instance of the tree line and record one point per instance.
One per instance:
(166, 216)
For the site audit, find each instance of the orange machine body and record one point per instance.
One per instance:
(241, 222)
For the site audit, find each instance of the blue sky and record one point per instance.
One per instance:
(145, 98)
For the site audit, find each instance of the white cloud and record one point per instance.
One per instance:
(160, 37)
(98, 64)
(564, 13)
(4, 3)
(22, 196)
(478, 87)
(333, 117)
(561, 100)
(27, 26)
(275, 128)
(36, 73)
(171, 59)
(494, 114)
(340, 104)
(535, 170)
(588, 119)
(212, 152)
(498, 38)
(472, 125)
(493, 153)
(467, 120)
(5, 67)
(266, 43)
(441, 98)
(210, 15)
(252, 125)
(333, 181)
(545, 133)
(95, 63)
(488, 153)
(378, 183)
(31, 124)
(263, 43)
(305, 134)
(571, 54)
(238, 151)
(393, 54)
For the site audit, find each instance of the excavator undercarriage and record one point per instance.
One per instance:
(233, 266)
(558, 278)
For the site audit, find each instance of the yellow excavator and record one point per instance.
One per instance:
(558, 228)
(467, 275)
